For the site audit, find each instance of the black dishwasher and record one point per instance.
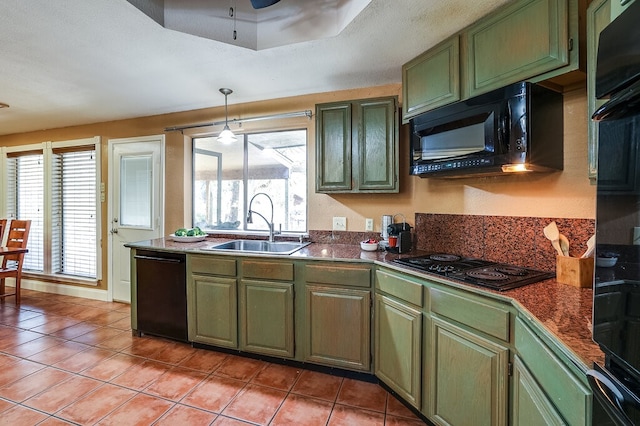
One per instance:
(161, 294)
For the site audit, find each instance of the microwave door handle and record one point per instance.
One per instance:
(505, 124)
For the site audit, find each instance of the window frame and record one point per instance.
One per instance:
(242, 139)
(47, 149)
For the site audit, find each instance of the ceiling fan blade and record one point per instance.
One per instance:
(259, 4)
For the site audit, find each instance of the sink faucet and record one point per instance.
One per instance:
(269, 222)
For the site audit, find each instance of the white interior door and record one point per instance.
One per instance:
(136, 210)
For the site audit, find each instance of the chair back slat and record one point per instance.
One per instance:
(18, 237)
(3, 226)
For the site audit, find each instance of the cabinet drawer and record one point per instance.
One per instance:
(280, 271)
(478, 314)
(213, 265)
(338, 275)
(570, 396)
(404, 289)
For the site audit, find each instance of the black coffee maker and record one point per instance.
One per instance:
(402, 231)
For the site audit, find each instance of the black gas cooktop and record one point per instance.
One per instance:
(497, 276)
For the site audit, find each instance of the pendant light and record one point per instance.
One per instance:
(226, 136)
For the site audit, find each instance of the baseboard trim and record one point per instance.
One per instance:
(65, 289)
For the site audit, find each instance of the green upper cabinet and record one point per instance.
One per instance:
(432, 79)
(333, 147)
(599, 14)
(525, 39)
(531, 40)
(357, 146)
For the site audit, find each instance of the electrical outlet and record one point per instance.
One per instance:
(636, 235)
(339, 223)
(368, 224)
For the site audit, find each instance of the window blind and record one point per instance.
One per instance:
(69, 245)
(26, 179)
(74, 207)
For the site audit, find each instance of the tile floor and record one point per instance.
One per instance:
(68, 360)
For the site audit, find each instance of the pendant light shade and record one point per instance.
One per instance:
(226, 136)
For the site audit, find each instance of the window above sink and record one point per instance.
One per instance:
(226, 176)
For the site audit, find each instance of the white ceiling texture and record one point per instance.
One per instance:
(73, 62)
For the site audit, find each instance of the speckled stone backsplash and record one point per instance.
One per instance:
(509, 239)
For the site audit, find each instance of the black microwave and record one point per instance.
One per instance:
(517, 128)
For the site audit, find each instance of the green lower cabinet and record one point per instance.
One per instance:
(564, 385)
(266, 318)
(530, 405)
(398, 343)
(466, 377)
(212, 310)
(338, 327)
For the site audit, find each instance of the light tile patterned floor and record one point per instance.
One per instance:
(68, 360)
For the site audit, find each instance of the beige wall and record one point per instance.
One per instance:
(564, 194)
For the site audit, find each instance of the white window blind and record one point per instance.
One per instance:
(26, 178)
(61, 193)
(74, 212)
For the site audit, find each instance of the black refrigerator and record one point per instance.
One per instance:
(616, 308)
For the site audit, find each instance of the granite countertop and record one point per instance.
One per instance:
(563, 310)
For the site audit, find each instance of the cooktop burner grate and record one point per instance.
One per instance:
(487, 274)
(476, 271)
(444, 257)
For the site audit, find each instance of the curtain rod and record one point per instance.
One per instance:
(306, 113)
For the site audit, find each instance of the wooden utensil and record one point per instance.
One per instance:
(591, 244)
(564, 244)
(552, 233)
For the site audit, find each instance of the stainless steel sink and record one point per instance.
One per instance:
(259, 246)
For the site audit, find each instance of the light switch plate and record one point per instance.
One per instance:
(368, 224)
(636, 235)
(339, 223)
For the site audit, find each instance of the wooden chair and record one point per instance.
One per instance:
(3, 226)
(12, 264)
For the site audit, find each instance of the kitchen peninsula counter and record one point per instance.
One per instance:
(562, 311)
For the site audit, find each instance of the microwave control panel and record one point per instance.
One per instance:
(451, 165)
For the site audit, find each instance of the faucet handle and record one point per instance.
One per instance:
(279, 231)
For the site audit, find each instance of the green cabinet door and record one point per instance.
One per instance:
(338, 327)
(377, 163)
(522, 40)
(266, 318)
(530, 404)
(333, 147)
(467, 377)
(432, 79)
(357, 146)
(564, 385)
(212, 310)
(397, 354)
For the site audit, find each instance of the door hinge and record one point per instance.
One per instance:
(510, 369)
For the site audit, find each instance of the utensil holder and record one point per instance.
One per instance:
(575, 271)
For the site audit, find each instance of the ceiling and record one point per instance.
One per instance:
(101, 60)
